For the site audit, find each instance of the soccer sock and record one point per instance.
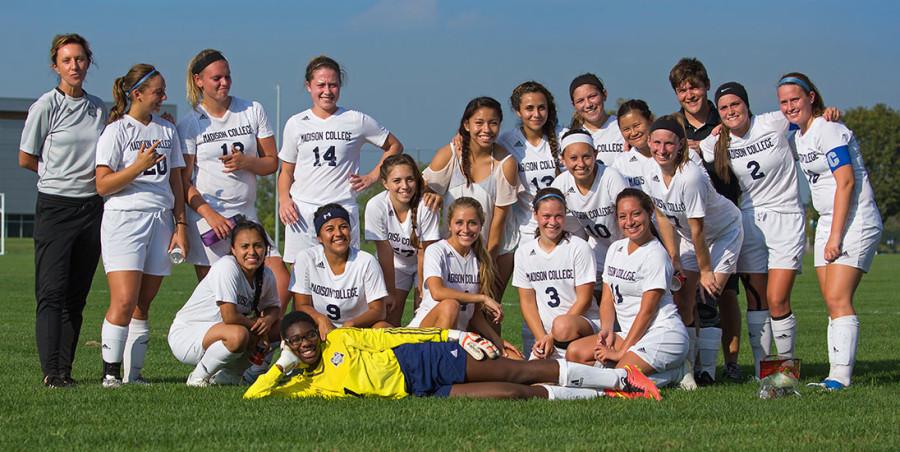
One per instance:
(760, 332)
(687, 380)
(563, 393)
(216, 357)
(575, 375)
(135, 349)
(708, 344)
(667, 377)
(845, 336)
(112, 338)
(784, 329)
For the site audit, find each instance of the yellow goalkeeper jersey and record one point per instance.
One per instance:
(355, 362)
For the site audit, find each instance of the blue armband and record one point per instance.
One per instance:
(838, 157)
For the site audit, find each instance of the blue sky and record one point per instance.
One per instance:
(413, 65)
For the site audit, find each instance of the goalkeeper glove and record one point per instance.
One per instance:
(288, 360)
(474, 344)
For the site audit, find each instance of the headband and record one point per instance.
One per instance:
(201, 64)
(141, 81)
(584, 79)
(576, 136)
(795, 81)
(548, 196)
(328, 213)
(669, 124)
(734, 88)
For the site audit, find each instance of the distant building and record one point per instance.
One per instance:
(18, 184)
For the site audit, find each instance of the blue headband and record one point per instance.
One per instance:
(141, 81)
(550, 195)
(795, 81)
(328, 213)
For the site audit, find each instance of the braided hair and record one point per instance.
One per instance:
(247, 225)
(406, 159)
(473, 106)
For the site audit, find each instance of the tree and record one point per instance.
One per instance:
(878, 131)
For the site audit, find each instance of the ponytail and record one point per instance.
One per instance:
(123, 86)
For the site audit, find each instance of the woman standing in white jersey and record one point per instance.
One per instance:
(635, 118)
(636, 294)
(555, 275)
(401, 226)
(700, 228)
(58, 143)
(227, 142)
(320, 158)
(849, 226)
(588, 96)
(139, 165)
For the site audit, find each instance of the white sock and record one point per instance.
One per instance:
(784, 331)
(830, 338)
(563, 393)
(112, 338)
(760, 332)
(135, 349)
(575, 375)
(216, 357)
(708, 344)
(667, 377)
(845, 336)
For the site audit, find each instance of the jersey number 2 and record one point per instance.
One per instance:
(755, 173)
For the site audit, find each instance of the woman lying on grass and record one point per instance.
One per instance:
(397, 362)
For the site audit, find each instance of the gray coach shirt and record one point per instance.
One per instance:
(62, 132)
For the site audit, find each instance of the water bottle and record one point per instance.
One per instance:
(176, 255)
(677, 281)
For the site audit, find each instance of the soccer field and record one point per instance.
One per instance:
(169, 415)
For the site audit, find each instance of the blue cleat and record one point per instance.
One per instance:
(829, 385)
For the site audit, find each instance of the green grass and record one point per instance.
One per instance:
(169, 415)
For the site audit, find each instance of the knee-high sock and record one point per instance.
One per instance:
(216, 357)
(708, 345)
(563, 393)
(135, 349)
(575, 375)
(844, 339)
(759, 331)
(783, 332)
(112, 340)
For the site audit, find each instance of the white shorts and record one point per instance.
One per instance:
(772, 240)
(137, 240)
(200, 254)
(462, 320)
(859, 247)
(723, 252)
(404, 280)
(186, 340)
(301, 236)
(663, 347)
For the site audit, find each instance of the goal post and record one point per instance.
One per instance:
(2, 224)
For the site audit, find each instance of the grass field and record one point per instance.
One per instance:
(169, 415)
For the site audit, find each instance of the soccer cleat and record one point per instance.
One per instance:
(55, 382)
(828, 385)
(687, 381)
(226, 377)
(705, 379)
(733, 372)
(139, 380)
(196, 382)
(111, 382)
(635, 386)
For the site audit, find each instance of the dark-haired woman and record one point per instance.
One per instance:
(635, 118)
(234, 307)
(68, 211)
(588, 97)
(139, 163)
(320, 156)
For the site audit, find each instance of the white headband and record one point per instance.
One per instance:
(577, 138)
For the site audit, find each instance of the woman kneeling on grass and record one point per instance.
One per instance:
(397, 362)
(235, 306)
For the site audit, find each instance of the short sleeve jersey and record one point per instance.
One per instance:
(209, 138)
(537, 169)
(593, 214)
(62, 132)
(553, 276)
(457, 272)
(608, 141)
(630, 275)
(763, 162)
(118, 148)
(820, 150)
(338, 297)
(632, 165)
(382, 224)
(226, 283)
(690, 194)
(326, 153)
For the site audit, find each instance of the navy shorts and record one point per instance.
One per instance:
(431, 368)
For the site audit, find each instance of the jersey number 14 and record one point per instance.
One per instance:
(329, 157)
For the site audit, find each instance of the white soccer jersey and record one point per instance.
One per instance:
(457, 272)
(118, 148)
(608, 141)
(690, 194)
(326, 153)
(554, 276)
(593, 214)
(820, 150)
(537, 169)
(226, 283)
(763, 162)
(209, 138)
(632, 165)
(382, 224)
(630, 275)
(338, 297)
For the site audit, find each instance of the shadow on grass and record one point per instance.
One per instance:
(871, 372)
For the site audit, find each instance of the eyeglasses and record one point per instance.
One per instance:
(298, 339)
